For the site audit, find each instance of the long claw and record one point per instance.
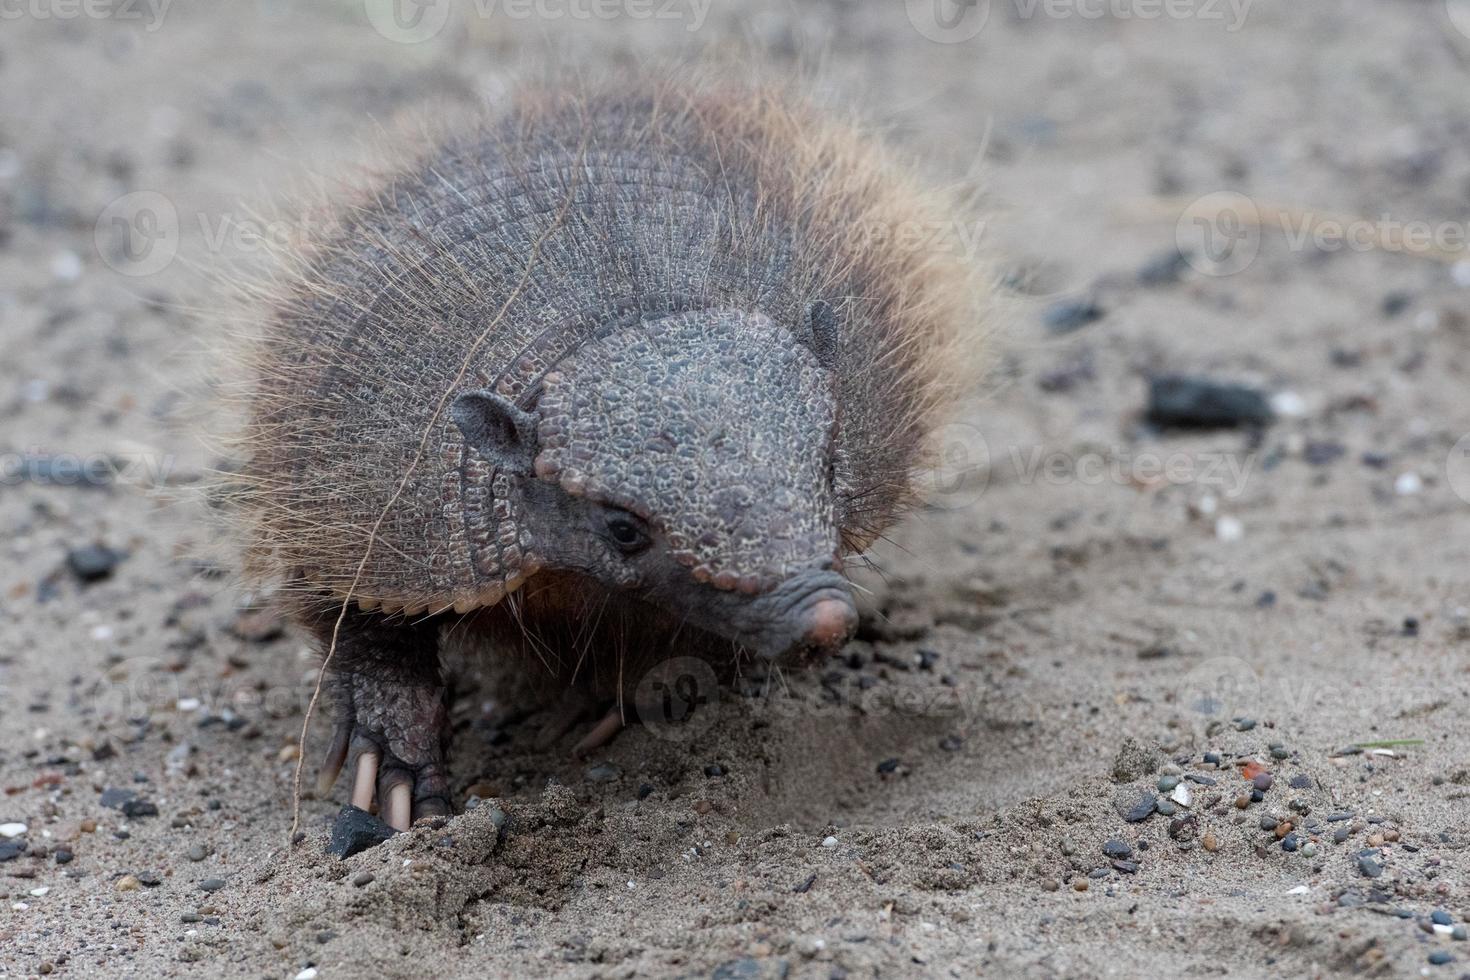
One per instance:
(602, 732)
(367, 779)
(399, 806)
(332, 762)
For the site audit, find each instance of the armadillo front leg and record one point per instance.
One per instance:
(391, 714)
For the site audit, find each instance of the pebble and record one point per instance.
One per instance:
(1167, 783)
(212, 884)
(1440, 957)
(1459, 934)
(12, 830)
(1067, 315)
(951, 743)
(190, 917)
(63, 856)
(888, 766)
(714, 770)
(131, 804)
(1369, 867)
(1117, 849)
(1341, 834)
(1262, 781)
(1163, 269)
(1210, 842)
(128, 883)
(1309, 849)
(355, 830)
(149, 879)
(93, 562)
(1189, 402)
(604, 773)
(363, 879)
(1136, 807)
(1290, 842)
(1126, 867)
(829, 841)
(1441, 918)
(197, 852)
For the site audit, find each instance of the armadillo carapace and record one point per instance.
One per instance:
(611, 376)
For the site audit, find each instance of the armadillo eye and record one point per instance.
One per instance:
(626, 533)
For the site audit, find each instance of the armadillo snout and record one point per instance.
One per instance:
(812, 615)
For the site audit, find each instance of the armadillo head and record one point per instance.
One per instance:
(687, 460)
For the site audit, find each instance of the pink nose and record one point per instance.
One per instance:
(829, 623)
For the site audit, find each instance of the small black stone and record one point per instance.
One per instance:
(1341, 834)
(1338, 816)
(12, 849)
(63, 856)
(645, 790)
(1071, 314)
(149, 879)
(1441, 918)
(1300, 782)
(714, 770)
(1213, 758)
(1176, 401)
(355, 831)
(888, 765)
(1141, 809)
(1369, 867)
(951, 743)
(1117, 849)
(93, 562)
(1163, 269)
(1126, 867)
(1291, 842)
(1440, 957)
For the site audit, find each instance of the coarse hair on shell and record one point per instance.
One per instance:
(354, 482)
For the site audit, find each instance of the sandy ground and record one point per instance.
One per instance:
(1091, 606)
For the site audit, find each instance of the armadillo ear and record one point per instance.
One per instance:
(501, 432)
(823, 327)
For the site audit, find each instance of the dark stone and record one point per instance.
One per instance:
(212, 884)
(1126, 867)
(1117, 849)
(12, 849)
(1440, 957)
(714, 770)
(1441, 918)
(741, 969)
(1135, 808)
(1068, 315)
(1163, 269)
(355, 831)
(1369, 867)
(130, 803)
(93, 562)
(888, 765)
(1176, 401)
(1321, 453)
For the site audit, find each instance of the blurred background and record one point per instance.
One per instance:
(1264, 558)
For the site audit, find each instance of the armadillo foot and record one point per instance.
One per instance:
(602, 733)
(394, 734)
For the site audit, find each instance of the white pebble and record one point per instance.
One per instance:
(1181, 795)
(1208, 504)
(631, 884)
(307, 974)
(829, 842)
(1288, 404)
(188, 704)
(1229, 528)
(1299, 890)
(19, 906)
(66, 266)
(12, 829)
(40, 892)
(1408, 484)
